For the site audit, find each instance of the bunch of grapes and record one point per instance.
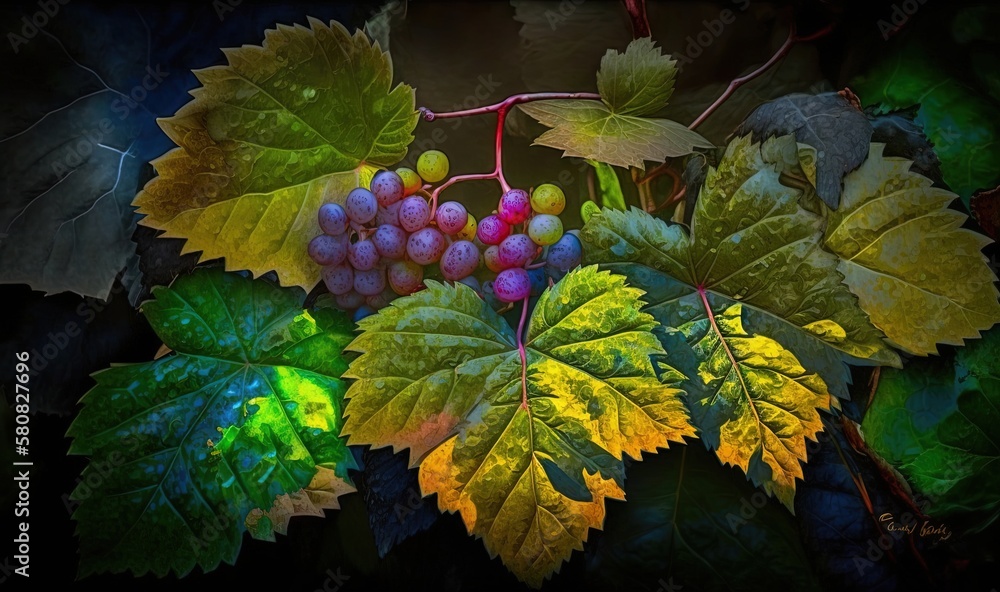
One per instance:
(382, 241)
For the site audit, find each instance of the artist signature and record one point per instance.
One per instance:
(926, 529)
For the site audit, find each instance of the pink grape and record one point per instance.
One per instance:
(460, 259)
(361, 205)
(512, 284)
(516, 250)
(451, 217)
(339, 279)
(389, 215)
(387, 187)
(426, 245)
(491, 257)
(405, 277)
(328, 250)
(492, 230)
(369, 282)
(332, 219)
(349, 300)
(363, 255)
(414, 213)
(514, 207)
(381, 300)
(390, 241)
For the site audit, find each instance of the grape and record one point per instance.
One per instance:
(451, 217)
(490, 296)
(361, 205)
(432, 166)
(545, 229)
(332, 219)
(460, 259)
(328, 250)
(566, 253)
(390, 241)
(411, 180)
(492, 230)
(491, 256)
(548, 199)
(469, 231)
(516, 250)
(512, 284)
(381, 300)
(362, 312)
(362, 255)
(387, 187)
(369, 282)
(426, 245)
(339, 279)
(389, 215)
(349, 300)
(514, 207)
(588, 209)
(472, 282)
(414, 213)
(538, 281)
(405, 277)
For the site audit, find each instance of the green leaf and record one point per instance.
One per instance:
(184, 447)
(638, 82)
(937, 422)
(918, 274)
(610, 188)
(702, 528)
(272, 136)
(526, 452)
(588, 129)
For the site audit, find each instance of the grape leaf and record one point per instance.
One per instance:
(905, 138)
(635, 83)
(704, 528)
(282, 129)
(525, 452)
(610, 188)
(828, 122)
(921, 278)
(245, 408)
(937, 423)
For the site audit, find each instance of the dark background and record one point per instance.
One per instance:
(445, 50)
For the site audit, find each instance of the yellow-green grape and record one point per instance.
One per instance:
(432, 166)
(411, 180)
(588, 209)
(548, 199)
(545, 229)
(469, 232)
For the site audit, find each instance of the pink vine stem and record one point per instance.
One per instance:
(501, 109)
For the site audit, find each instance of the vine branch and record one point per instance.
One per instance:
(640, 22)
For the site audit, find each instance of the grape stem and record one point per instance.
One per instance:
(501, 109)
(521, 352)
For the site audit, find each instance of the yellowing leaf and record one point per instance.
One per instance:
(270, 137)
(918, 274)
(526, 452)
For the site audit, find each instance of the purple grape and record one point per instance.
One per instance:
(538, 281)
(460, 259)
(414, 213)
(339, 279)
(328, 250)
(565, 254)
(426, 245)
(514, 206)
(362, 312)
(363, 255)
(491, 257)
(405, 277)
(349, 300)
(472, 282)
(332, 219)
(361, 205)
(492, 230)
(387, 187)
(516, 250)
(389, 215)
(512, 284)
(369, 282)
(390, 241)
(451, 217)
